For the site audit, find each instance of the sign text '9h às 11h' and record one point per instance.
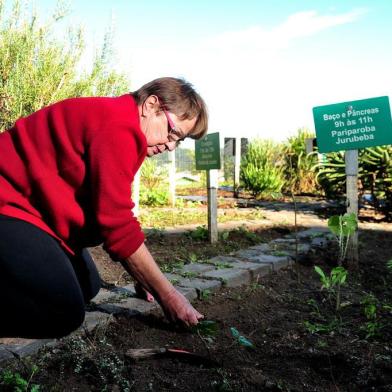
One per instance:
(353, 125)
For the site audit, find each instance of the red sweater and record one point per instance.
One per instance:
(68, 169)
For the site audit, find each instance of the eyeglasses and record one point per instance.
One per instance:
(173, 134)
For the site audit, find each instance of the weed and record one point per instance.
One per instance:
(249, 235)
(204, 295)
(199, 234)
(222, 265)
(206, 328)
(95, 357)
(330, 327)
(373, 325)
(189, 274)
(14, 381)
(224, 236)
(389, 265)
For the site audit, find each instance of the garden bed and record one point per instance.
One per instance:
(299, 342)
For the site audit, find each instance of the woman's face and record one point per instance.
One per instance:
(162, 129)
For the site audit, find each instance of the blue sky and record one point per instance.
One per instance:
(261, 66)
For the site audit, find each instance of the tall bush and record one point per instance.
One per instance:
(375, 176)
(299, 176)
(262, 168)
(37, 69)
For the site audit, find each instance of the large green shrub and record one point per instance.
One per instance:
(37, 69)
(262, 168)
(375, 176)
(298, 171)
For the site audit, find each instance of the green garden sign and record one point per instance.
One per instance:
(353, 125)
(208, 152)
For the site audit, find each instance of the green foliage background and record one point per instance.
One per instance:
(37, 69)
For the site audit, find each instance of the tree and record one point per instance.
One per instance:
(37, 69)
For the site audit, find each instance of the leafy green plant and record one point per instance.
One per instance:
(373, 325)
(389, 265)
(206, 328)
(10, 379)
(205, 295)
(261, 168)
(199, 234)
(37, 69)
(330, 327)
(333, 282)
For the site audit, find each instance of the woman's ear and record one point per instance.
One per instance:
(150, 105)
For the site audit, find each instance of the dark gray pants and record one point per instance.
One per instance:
(43, 291)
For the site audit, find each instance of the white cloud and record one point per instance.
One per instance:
(300, 24)
(251, 86)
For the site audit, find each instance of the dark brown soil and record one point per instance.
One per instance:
(300, 342)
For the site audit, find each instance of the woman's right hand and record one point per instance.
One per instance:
(178, 309)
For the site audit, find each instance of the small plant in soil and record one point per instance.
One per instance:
(240, 339)
(333, 282)
(14, 381)
(205, 295)
(373, 326)
(343, 227)
(199, 234)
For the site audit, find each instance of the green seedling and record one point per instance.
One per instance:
(204, 295)
(224, 235)
(333, 282)
(193, 257)
(206, 328)
(330, 327)
(242, 340)
(199, 234)
(389, 265)
(373, 326)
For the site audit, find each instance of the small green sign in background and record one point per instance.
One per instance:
(353, 125)
(208, 152)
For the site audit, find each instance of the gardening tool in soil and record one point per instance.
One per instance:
(182, 355)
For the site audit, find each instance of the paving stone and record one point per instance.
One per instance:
(129, 290)
(104, 296)
(5, 355)
(255, 269)
(276, 262)
(196, 268)
(189, 293)
(230, 277)
(24, 348)
(93, 319)
(131, 306)
(313, 232)
(199, 284)
(261, 247)
(247, 253)
(319, 242)
(284, 241)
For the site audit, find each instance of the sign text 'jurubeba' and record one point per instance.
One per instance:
(353, 125)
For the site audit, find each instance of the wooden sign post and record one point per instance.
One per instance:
(207, 153)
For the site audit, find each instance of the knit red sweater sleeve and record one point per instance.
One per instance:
(113, 159)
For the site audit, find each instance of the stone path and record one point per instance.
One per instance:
(194, 280)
